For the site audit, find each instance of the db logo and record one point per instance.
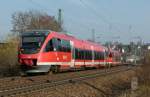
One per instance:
(64, 57)
(29, 56)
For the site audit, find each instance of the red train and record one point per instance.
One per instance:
(44, 51)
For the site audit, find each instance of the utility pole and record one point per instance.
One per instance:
(110, 28)
(60, 19)
(130, 28)
(93, 35)
(133, 51)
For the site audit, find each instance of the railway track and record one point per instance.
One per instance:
(25, 89)
(8, 79)
(31, 80)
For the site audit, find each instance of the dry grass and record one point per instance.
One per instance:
(106, 86)
(8, 58)
(144, 80)
(143, 91)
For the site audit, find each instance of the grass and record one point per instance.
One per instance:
(103, 86)
(143, 75)
(143, 91)
(8, 58)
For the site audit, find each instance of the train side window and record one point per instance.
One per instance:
(88, 55)
(66, 47)
(82, 54)
(79, 54)
(102, 56)
(99, 57)
(76, 53)
(96, 53)
(59, 47)
(49, 46)
(85, 54)
(91, 55)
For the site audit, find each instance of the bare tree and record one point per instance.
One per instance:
(33, 19)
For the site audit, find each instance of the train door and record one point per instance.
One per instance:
(72, 54)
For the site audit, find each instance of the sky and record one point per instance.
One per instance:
(112, 20)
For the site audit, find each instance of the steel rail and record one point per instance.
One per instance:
(49, 84)
(34, 82)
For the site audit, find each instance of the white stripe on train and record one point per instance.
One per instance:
(76, 63)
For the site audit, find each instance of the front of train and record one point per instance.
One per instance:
(29, 50)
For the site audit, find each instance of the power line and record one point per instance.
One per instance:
(93, 11)
(84, 4)
(47, 9)
(39, 5)
(97, 14)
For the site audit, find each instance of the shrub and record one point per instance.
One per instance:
(8, 57)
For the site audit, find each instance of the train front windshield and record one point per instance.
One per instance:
(31, 44)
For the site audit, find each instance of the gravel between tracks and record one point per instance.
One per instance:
(61, 76)
(102, 86)
(20, 81)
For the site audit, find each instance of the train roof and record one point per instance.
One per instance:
(35, 32)
(78, 42)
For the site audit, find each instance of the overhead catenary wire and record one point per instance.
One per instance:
(85, 5)
(94, 12)
(45, 9)
(98, 14)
